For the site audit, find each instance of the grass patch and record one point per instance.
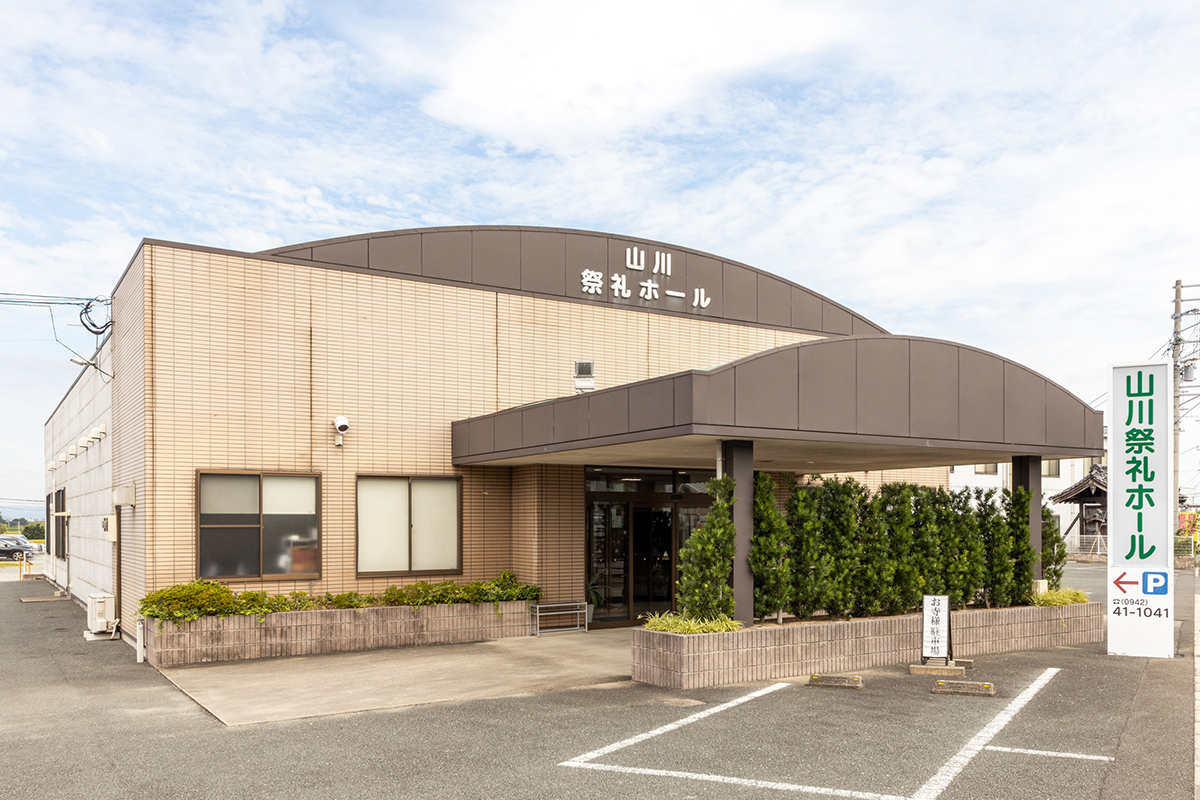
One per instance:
(1060, 597)
(676, 623)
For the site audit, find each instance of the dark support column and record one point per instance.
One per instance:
(739, 465)
(1027, 472)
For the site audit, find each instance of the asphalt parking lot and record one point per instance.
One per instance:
(86, 721)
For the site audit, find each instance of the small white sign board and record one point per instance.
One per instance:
(935, 626)
(1141, 541)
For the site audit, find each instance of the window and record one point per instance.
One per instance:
(409, 525)
(259, 525)
(1088, 463)
(1050, 468)
(61, 523)
(987, 469)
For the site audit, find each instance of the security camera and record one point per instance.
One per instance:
(341, 424)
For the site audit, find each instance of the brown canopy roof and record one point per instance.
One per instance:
(830, 405)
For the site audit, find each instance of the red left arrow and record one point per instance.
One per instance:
(1120, 584)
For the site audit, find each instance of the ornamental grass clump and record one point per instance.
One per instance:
(1059, 597)
(670, 622)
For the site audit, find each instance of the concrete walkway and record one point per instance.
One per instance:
(271, 690)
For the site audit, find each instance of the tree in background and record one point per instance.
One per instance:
(837, 510)
(927, 544)
(1054, 550)
(1024, 556)
(35, 530)
(997, 546)
(963, 552)
(706, 561)
(896, 502)
(873, 578)
(770, 552)
(811, 564)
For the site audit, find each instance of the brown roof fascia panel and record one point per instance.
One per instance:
(542, 261)
(874, 389)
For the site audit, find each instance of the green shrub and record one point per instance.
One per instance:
(811, 565)
(770, 552)
(1059, 597)
(1054, 550)
(205, 598)
(1024, 557)
(837, 510)
(189, 601)
(706, 561)
(678, 623)
(997, 543)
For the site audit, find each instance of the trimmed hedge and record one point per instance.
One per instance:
(205, 598)
(856, 553)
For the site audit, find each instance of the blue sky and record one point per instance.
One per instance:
(1021, 177)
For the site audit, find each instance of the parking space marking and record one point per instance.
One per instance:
(1048, 753)
(938, 783)
(641, 737)
(930, 790)
(699, 776)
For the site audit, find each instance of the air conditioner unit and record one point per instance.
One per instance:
(101, 613)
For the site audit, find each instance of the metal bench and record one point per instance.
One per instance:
(577, 609)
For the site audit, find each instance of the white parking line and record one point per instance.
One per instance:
(641, 737)
(929, 791)
(1048, 753)
(699, 776)
(938, 783)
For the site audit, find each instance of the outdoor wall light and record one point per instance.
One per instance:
(341, 425)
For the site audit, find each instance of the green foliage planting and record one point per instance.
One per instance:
(678, 623)
(811, 564)
(1054, 550)
(854, 553)
(837, 509)
(1024, 557)
(204, 598)
(997, 544)
(871, 583)
(770, 552)
(34, 530)
(1059, 597)
(706, 561)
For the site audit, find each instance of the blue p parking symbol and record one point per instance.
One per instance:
(1154, 583)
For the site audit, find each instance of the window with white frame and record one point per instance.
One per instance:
(409, 525)
(258, 526)
(987, 469)
(1051, 468)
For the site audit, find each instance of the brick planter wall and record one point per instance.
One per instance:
(302, 633)
(767, 652)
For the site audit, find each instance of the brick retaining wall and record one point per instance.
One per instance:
(302, 633)
(769, 652)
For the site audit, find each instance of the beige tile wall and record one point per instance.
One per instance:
(251, 360)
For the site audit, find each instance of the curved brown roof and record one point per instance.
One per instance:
(829, 405)
(551, 261)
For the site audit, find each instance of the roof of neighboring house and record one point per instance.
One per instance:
(1093, 488)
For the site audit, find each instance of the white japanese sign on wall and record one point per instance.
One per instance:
(1141, 591)
(654, 286)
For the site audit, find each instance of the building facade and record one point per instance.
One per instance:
(205, 445)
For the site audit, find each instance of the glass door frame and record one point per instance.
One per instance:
(643, 499)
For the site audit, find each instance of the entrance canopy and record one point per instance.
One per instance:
(831, 405)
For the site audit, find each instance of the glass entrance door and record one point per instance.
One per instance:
(653, 559)
(608, 557)
(633, 553)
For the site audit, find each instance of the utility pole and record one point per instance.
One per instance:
(1176, 342)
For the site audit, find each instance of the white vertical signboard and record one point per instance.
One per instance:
(1141, 586)
(935, 627)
